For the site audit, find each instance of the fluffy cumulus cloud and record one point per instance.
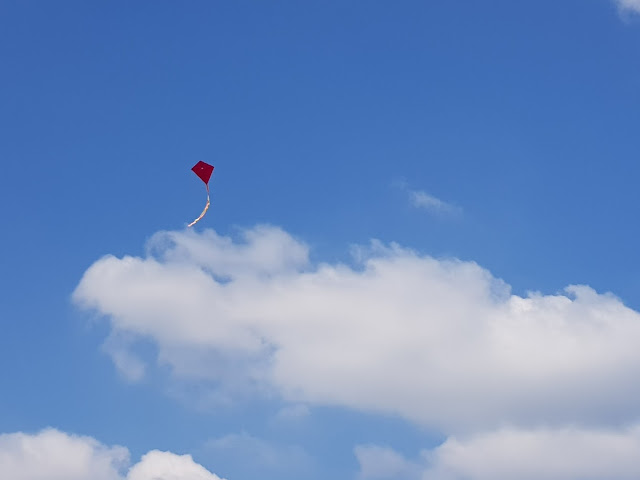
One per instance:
(55, 455)
(157, 465)
(440, 342)
(508, 453)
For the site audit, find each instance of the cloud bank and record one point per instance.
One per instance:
(440, 342)
(55, 455)
(510, 380)
(560, 454)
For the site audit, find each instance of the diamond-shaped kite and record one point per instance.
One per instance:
(204, 171)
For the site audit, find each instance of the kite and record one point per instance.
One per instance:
(204, 171)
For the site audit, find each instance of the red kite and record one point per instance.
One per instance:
(204, 171)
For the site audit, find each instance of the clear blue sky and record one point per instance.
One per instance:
(514, 122)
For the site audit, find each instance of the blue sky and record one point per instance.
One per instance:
(392, 182)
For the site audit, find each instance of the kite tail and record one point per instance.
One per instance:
(206, 207)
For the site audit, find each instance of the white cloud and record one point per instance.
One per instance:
(629, 5)
(157, 465)
(439, 342)
(54, 455)
(516, 454)
(422, 199)
(426, 201)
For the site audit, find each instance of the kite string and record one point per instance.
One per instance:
(206, 207)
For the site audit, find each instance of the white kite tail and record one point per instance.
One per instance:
(206, 207)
